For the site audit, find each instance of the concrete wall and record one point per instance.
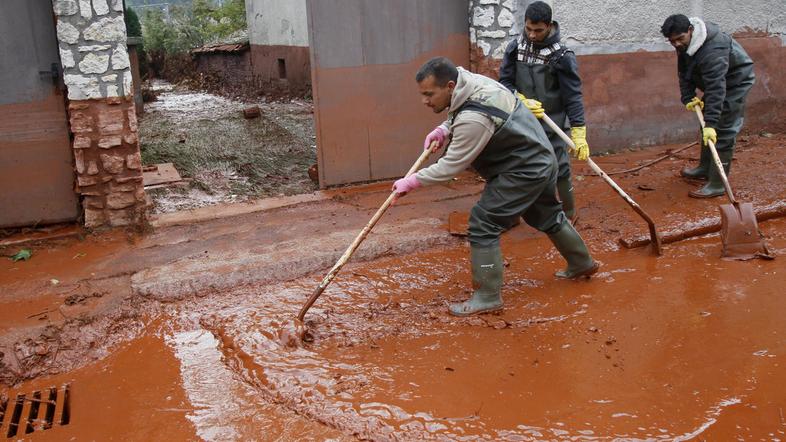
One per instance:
(278, 34)
(629, 71)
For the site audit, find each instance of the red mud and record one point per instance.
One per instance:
(678, 347)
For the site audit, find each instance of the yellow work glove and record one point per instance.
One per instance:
(696, 101)
(535, 106)
(709, 134)
(579, 136)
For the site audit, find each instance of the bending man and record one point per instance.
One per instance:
(709, 60)
(496, 134)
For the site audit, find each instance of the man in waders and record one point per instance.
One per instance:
(495, 133)
(538, 66)
(716, 64)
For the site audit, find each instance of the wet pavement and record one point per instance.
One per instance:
(678, 347)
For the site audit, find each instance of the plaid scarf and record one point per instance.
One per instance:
(531, 55)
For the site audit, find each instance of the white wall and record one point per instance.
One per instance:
(277, 22)
(618, 26)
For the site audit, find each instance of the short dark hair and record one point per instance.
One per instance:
(441, 68)
(538, 12)
(674, 25)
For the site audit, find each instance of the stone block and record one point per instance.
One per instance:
(110, 121)
(94, 218)
(67, 33)
(81, 87)
(505, 18)
(106, 30)
(85, 181)
(483, 17)
(112, 91)
(94, 64)
(85, 9)
(93, 202)
(101, 7)
(132, 123)
(128, 179)
(109, 142)
(112, 163)
(81, 123)
(119, 218)
(67, 58)
(79, 161)
(120, 58)
(81, 142)
(124, 187)
(92, 168)
(134, 161)
(65, 7)
(94, 48)
(128, 89)
(120, 200)
(131, 138)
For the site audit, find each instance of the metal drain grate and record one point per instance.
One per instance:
(12, 411)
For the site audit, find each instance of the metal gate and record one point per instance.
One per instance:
(370, 122)
(36, 163)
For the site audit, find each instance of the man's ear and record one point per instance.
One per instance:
(451, 85)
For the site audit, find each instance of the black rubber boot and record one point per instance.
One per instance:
(486, 280)
(714, 186)
(701, 171)
(565, 191)
(570, 245)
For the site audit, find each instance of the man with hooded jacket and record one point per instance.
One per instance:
(491, 130)
(713, 62)
(538, 66)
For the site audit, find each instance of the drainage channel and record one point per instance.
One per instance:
(40, 412)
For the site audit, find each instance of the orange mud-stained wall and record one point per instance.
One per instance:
(370, 121)
(629, 72)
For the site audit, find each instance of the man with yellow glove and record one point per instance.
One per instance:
(713, 62)
(539, 66)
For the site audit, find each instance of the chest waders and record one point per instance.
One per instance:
(539, 81)
(520, 170)
(728, 127)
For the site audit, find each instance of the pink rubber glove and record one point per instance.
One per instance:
(439, 134)
(404, 185)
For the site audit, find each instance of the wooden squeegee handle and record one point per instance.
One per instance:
(359, 239)
(558, 130)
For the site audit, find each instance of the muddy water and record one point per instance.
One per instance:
(685, 346)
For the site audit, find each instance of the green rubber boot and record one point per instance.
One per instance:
(714, 186)
(570, 245)
(486, 280)
(701, 171)
(565, 192)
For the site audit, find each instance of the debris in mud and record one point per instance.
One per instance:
(251, 112)
(22, 255)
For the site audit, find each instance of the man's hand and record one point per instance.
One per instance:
(404, 185)
(579, 136)
(696, 101)
(439, 135)
(709, 134)
(535, 106)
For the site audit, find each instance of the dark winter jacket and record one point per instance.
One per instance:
(562, 66)
(719, 65)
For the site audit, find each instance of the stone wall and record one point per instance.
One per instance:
(621, 54)
(97, 75)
